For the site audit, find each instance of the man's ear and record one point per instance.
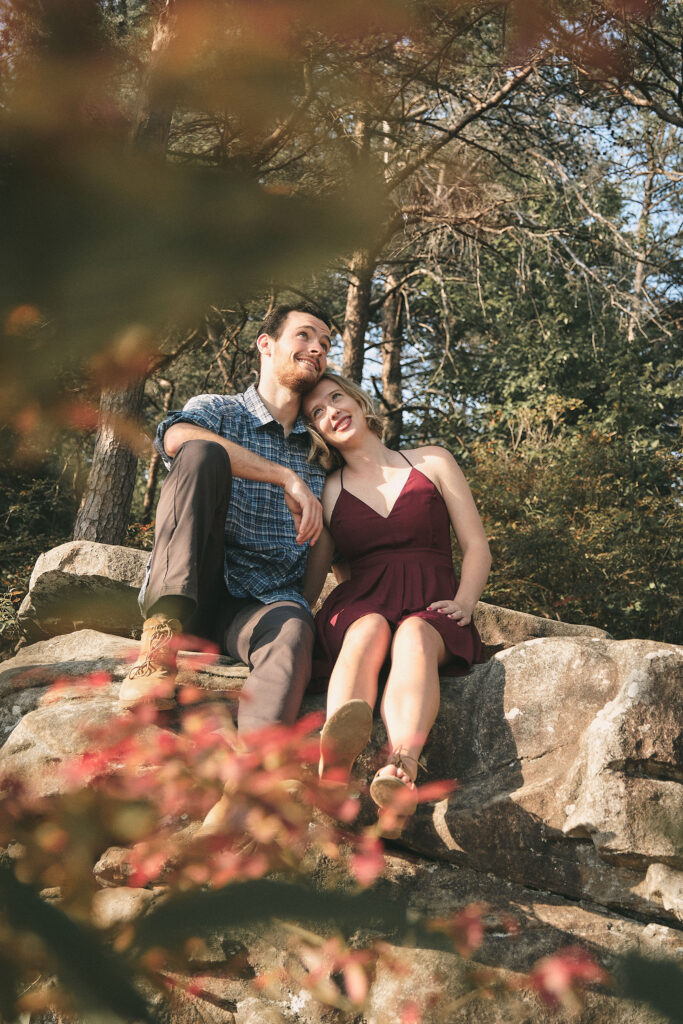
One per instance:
(264, 344)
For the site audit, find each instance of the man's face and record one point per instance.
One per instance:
(299, 355)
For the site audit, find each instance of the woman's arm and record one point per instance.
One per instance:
(318, 566)
(320, 555)
(443, 470)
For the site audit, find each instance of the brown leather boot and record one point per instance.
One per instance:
(152, 677)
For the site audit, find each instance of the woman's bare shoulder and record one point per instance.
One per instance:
(332, 481)
(429, 455)
(331, 493)
(427, 450)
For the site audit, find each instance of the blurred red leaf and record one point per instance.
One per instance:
(367, 863)
(465, 928)
(436, 790)
(21, 318)
(558, 979)
(411, 1013)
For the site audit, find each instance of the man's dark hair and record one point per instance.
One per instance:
(273, 321)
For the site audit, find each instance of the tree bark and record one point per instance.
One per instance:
(104, 511)
(361, 270)
(357, 314)
(392, 337)
(640, 273)
(157, 102)
(103, 515)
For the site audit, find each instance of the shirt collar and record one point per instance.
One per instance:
(258, 410)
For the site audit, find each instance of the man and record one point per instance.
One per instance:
(235, 519)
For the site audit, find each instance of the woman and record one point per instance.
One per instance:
(389, 515)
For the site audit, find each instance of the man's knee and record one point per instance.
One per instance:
(200, 456)
(286, 625)
(280, 659)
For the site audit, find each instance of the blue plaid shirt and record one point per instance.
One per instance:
(262, 557)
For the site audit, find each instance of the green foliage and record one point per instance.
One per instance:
(37, 509)
(586, 528)
(560, 384)
(101, 237)
(9, 624)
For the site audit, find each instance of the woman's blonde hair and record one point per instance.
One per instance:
(326, 454)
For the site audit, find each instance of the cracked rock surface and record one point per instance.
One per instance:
(568, 753)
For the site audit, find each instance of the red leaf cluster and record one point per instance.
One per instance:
(560, 978)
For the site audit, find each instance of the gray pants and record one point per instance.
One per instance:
(274, 640)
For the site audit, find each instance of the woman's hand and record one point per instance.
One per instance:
(460, 611)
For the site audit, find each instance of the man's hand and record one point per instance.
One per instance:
(307, 512)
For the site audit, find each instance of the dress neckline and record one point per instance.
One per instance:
(381, 515)
(367, 504)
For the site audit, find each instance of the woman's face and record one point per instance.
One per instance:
(335, 415)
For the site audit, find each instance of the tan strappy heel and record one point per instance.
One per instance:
(390, 791)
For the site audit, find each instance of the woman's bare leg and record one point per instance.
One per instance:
(351, 697)
(411, 698)
(356, 670)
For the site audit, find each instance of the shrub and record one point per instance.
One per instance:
(585, 528)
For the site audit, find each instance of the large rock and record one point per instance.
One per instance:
(82, 584)
(569, 755)
(501, 628)
(568, 752)
(50, 736)
(43, 736)
(520, 927)
(25, 678)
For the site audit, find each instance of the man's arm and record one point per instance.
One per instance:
(302, 503)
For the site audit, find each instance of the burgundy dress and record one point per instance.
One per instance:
(399, 564)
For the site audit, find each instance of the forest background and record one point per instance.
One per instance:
(486, 196)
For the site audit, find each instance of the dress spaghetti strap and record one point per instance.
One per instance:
(406, 458)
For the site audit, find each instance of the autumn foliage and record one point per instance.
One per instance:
(141, 790)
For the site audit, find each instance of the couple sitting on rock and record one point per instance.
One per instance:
(243, 545)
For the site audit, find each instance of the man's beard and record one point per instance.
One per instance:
(298, 381)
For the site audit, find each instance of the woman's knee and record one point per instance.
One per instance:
(416, 635)
(371, 633)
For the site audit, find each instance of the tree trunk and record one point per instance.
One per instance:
(103, 515)
(392, 336)
(104, 511)
(154, 462)
(357, 314)
(361, 270)
(158, 100)
(640, 274)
